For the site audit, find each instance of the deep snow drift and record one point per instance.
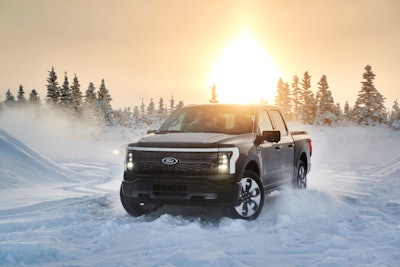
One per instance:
(60, 205)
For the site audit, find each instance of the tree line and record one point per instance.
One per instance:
(297, 101)
(93, 105)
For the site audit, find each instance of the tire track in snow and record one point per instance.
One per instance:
(356, 183)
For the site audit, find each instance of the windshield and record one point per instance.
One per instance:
(227, 119)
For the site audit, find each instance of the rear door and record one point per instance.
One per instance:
(286, 145)
(270, 155)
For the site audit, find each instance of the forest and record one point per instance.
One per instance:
(297, 101)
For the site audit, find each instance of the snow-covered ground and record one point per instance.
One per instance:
(59, 205)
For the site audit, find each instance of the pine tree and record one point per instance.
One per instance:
(394, 118)
(10, 100)
(142, 110)
(151, 107)
(21, 100)
(52, 88)
(65, 97)
(309, 105)
(76, 95)
(161, 107)
(90, 95)
(151, 116)
(327, 113)
(369, 108)
(136, 114)
(162, 110)
(338, 112)
(297, 100)
(89, 110)
(103, 93)
(282, 98)
(347, 116)
(103, 102)
(213, 94)
(171, 104)
(34, 98)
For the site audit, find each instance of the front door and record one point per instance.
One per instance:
(270, 154)
(286, 145)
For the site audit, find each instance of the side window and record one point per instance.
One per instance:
(264, 122)
(278, 121)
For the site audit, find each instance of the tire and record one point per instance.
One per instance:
(300, 179)
(134, 208)
(251, 197)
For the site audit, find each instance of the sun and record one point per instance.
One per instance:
(244, 73)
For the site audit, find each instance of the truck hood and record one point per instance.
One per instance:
(193, 140)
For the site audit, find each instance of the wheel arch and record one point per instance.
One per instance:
(303, 157)
(253, 166)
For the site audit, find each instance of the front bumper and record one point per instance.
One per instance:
(182, 191)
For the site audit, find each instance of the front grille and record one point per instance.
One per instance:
(194, 162)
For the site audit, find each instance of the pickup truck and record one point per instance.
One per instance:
(225, 155)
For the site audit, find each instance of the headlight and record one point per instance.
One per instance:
(223, 162)
(129, 161)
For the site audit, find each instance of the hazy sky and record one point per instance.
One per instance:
(152, 49)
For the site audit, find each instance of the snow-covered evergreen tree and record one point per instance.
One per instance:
(21, 100)
(171, 104)
(103, 93)
(65, 97)
(394, 118)
(151, 107)
(347, 112)
(327, 113)
(53, 90)
(89, 107)
(161, 107)
(136, 114)
(104, 103)
(90, 96)
(150, 117)
(369, 108)
(339, 112)
(34, 98)
(162, 110)
(309, 105)
(282, 98)
(142, 111)
(296, 96)
(76, 95)
(10, 100)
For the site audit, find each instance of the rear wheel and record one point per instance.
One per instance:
(251, 197)
(300, 179)
(134, 208)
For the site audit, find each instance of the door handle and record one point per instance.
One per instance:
(291, 145)
(278, 147)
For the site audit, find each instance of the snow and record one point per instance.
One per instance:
(59, 205)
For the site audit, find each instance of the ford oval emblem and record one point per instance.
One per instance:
(170, 161)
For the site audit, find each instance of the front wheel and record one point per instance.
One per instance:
(134, 208)
(251, 197)
(300, 179)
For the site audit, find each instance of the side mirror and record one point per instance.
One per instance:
(271, 136)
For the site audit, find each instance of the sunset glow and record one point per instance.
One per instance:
(244, 73)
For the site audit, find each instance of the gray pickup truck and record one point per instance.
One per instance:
(215, 154)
